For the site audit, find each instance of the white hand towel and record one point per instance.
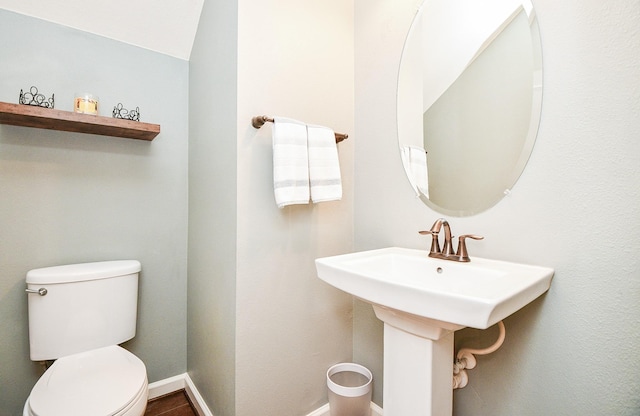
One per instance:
(405, 154)
(324, 165)
(414, 159)
(290, 162)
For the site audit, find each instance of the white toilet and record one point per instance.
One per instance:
(78, 314)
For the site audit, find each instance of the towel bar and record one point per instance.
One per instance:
(259, 121)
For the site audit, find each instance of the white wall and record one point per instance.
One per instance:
(268, 313)
(168, 29)
(295, 59)
(70, 197)
(453, 33)
(575, 209)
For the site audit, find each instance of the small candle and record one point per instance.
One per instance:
(86, 104)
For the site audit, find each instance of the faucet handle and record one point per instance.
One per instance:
(435, 244)
(462, 253)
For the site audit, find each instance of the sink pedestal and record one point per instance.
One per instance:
(418, 364)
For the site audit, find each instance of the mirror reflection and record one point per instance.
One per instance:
(469, 98)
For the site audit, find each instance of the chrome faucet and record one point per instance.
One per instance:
(446, 253)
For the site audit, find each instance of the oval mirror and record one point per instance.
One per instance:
(469, 100)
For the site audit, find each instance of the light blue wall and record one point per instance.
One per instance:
(68, 197)
(576, 208)
(213, 206)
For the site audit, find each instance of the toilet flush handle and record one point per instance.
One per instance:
(42, 291)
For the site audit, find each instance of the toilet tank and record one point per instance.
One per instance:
(86, 306)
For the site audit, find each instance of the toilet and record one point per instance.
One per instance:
(78, 314)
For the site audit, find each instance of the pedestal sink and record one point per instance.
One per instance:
(422, 301)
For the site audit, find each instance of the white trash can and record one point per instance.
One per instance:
(349, 390)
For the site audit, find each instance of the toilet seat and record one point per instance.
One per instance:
(108, 381)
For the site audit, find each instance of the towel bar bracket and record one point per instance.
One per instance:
(258, 121)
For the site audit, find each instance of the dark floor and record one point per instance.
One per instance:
(172, 404)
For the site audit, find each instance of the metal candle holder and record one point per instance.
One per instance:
(120, 112)
(33, 97)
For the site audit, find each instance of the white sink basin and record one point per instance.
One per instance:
(477, 294)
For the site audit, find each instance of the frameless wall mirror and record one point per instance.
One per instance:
(469, 100)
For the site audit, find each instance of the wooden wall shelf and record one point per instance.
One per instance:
(52, 119)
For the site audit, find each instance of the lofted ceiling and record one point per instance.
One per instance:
(165, 26)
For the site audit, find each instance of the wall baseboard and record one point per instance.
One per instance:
(179, 382)
(196, 399)
(166, 386)
(183, 381)
(324, 410)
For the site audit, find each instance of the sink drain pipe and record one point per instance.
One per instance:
(465, 359)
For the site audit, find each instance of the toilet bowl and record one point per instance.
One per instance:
(108, 381)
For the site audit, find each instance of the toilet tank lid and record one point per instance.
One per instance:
(82, 272)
